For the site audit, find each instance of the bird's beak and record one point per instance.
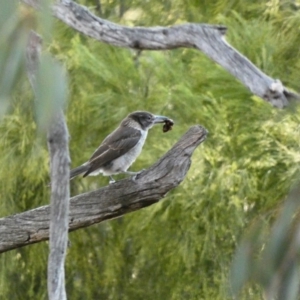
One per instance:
(160, 119)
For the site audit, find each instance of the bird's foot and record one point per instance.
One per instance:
(136, 174)
(111, 180)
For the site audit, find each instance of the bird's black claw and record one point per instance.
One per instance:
(137, 173)
(111, 180)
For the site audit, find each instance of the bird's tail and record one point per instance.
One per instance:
(79, 170)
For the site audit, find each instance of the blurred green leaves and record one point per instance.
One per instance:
(270, 256)
(50, 83)
(13, 39)
(51, 90)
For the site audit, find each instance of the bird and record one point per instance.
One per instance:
(119, 150)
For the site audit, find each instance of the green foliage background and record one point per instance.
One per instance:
(182, 247)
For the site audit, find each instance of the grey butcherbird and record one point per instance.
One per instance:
(119, 150)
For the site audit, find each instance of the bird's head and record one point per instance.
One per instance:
(145, 119)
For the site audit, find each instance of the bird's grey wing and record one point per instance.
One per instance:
(115, 145)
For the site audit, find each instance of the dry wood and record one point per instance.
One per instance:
(210, 39)
(60, 191)
(109, 202)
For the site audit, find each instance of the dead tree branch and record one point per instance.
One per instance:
(60, 194)
(210, 39)
(109, 202)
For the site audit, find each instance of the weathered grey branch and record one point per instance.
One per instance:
(108, 202)
(207, 38)
(58, 139)
(60, 195)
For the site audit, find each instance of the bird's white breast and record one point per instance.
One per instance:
(122, 163)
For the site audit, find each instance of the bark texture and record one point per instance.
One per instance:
(58, 139)
(210, 39)
(60, 194)
(109, 202)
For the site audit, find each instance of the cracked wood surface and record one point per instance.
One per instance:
(109, 202)
(210, 39)
(58, 138)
